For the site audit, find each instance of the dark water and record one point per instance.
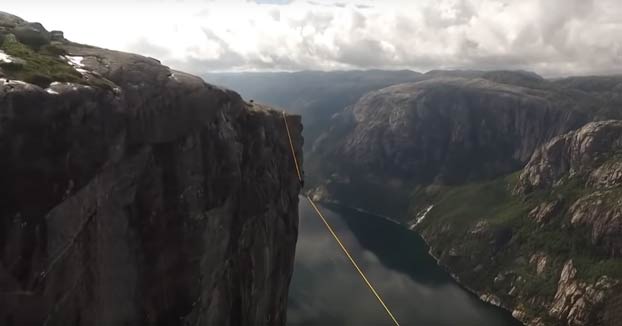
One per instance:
(326, 290)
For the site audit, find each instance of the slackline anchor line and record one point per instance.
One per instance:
(332, 232)
(291, 146)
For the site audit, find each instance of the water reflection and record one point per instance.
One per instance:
(326, 290)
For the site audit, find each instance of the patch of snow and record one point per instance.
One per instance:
(5, 57)
(75, 61)
(420, 216)
(58, 87)
(5, 81)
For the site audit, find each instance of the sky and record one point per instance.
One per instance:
(550, 37)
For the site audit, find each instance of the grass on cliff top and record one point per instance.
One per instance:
(42, 66)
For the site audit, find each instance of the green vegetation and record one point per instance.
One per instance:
(591, 270)
(459, 211)
(40, 67)
(463, 205)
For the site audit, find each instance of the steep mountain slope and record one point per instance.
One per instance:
(134, 194)
(315, 95)
(544, 242)
(444, 130)
(520, 208)
(604, 93)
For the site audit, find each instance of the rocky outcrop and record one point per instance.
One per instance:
(602, 213)
(577, 153)
(591, 157)
(9, 20)
(33, 34)
(545, 211)
(575, 300)
(142, 195)
(540, 260)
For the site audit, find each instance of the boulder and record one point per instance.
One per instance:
(57, 36)
(33, 34)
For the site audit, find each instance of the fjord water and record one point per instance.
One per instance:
(326, 290)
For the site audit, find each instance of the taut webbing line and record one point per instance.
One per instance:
(330, 229)
(291, 145)
(356, 266)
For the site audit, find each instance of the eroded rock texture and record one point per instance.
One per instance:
(594, 148)
(591, 156)
(149, 198)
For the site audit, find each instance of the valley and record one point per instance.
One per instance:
(519, 189)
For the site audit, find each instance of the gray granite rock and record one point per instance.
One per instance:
(153, 199)
(32, 34)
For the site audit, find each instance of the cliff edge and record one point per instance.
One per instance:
(136, 194)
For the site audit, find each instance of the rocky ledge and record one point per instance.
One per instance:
(136, 194)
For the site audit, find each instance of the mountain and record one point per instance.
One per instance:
(512, 179)
(543, 242)
(136, 194)
(315, 95)
(445, 130)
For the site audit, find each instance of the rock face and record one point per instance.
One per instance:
(590, 155)
(576, 154)
(574, 301)
(150, 197)
(444, 130)
(451, 130)
(33, 34)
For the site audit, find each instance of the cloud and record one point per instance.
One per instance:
(147, 48)
(552, 37)
(273, 2)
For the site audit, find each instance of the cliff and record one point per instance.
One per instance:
(135, 194)
(443, 130)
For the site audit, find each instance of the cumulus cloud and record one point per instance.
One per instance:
(552, 37)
